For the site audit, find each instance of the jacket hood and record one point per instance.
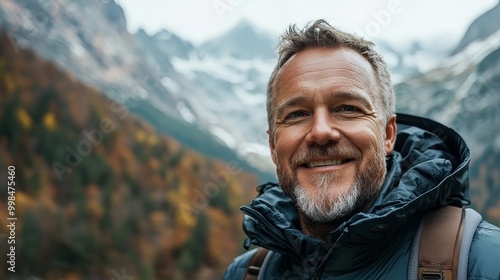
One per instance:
(427, 169)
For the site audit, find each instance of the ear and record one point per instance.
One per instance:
(391, 130)
(272, 147)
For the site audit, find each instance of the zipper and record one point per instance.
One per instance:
(322, 264)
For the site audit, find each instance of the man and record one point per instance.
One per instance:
(351, 198)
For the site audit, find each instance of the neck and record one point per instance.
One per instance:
(322, 229)
(317, 229)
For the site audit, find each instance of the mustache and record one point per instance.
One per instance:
(316, 152)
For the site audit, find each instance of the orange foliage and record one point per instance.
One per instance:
(136, 194)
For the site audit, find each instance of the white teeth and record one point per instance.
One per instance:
(323, 163)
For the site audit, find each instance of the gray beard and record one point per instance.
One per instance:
(325, 207)
(329, 208)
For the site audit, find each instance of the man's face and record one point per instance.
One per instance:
(329, 139)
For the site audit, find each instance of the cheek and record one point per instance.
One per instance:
(288, 140)
(282, 151)
(367, 139)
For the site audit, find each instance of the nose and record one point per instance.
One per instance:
(323, 130)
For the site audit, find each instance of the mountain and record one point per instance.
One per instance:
(244, 41)
(462, 92)
(484, 26)
(161, 47)
(90, 40)
(411, 60)
(165, 44)
(223, 87)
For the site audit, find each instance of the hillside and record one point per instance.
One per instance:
(101, 193)
(89, 39)
(462, 92)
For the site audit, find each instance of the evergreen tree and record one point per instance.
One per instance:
(29, 245)
(192, 254)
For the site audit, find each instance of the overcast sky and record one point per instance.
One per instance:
(396, 21)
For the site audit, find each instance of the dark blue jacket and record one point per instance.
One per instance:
(428, 169)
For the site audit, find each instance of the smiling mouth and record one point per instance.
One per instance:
(321, 163)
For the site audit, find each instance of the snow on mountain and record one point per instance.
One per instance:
(244, 41)
(455, 74)
(404, 62)
(484, 26)
(228, 89)
(462, 92)
(89, 39)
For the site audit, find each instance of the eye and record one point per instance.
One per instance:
(295, 115)
(349, 108)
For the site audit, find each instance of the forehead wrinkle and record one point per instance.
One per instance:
(283, 76)
(346, 63)
(333, 67)
(303, 79)
(365, 70)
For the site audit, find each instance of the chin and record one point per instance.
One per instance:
(324, 205)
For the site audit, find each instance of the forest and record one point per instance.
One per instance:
(99, 194)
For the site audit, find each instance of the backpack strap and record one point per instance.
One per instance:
(471, 221)
(440, 244)
(255, 264)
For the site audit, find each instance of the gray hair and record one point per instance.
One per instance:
(322, 34)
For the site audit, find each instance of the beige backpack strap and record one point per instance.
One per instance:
(255, 264)
(440, 244)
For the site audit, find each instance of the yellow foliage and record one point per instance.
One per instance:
(183, 200)
(152, 140)
(140, 136)
(185, 216)
(23, 203)
(10, 86)
(49, 121)
(24, 118)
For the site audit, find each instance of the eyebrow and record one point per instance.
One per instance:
(289, 103)
(336, 95)
(352, 96)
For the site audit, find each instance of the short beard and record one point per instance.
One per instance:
(322, 206)
(328, 209)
